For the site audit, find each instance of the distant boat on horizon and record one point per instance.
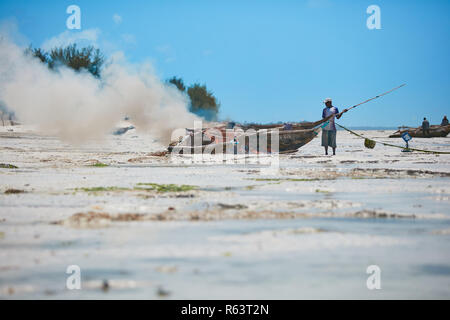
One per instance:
(435, 131)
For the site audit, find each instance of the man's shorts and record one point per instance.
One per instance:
(329, 138)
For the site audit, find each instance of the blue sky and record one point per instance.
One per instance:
(274, 60)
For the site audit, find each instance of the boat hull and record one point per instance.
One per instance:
(294, 126)
(435, 131)
(253, 143)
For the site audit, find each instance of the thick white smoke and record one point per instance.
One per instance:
(76, 106)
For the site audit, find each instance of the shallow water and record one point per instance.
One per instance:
(246, 250)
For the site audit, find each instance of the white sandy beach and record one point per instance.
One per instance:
(309, 230)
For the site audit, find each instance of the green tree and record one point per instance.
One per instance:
(203, 102)
(178, 82)
(87, 58)
(38, 53)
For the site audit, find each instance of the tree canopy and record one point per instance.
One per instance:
(178, 82)
(87, 58)
(202, 101)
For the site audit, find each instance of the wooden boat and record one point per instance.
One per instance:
(435, 131)
(291, 126)
(247, 142)
(280, 126)
(222, 140)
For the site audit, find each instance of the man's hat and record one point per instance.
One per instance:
(327, 100)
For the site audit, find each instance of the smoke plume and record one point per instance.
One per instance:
(77, 107)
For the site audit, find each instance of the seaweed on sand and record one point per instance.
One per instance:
(164, 187)
(14, 191)
(8, 166)
(160, 188)
(100, 165)
(102, 189)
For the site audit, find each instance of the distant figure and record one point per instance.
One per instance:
(425, 127)
(444, 121)
(231, 125)
(287, 126)
(329, 132)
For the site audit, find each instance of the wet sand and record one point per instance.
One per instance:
(155, 229)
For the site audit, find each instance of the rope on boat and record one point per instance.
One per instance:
(390, 145)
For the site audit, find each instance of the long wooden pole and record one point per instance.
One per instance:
(380, 95)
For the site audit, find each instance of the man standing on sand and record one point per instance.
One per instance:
(425, 127)
(329, 132)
